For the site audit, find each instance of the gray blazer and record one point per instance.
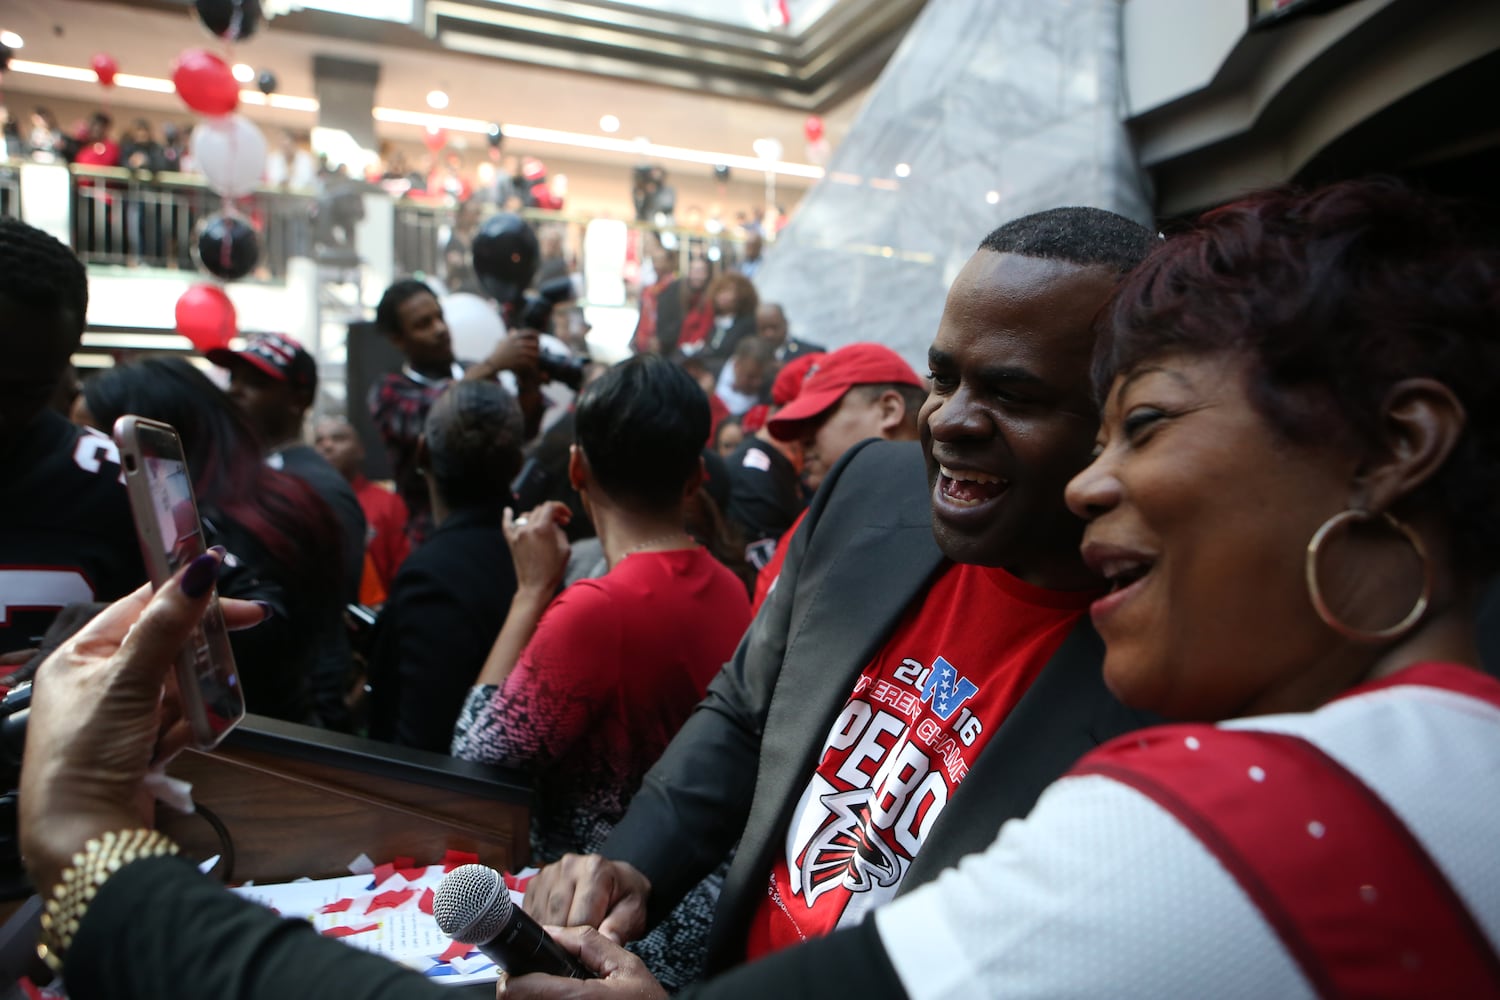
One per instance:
(736, 770)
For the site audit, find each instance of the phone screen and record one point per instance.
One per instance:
(166, 516)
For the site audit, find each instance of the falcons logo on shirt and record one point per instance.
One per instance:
(845, 852)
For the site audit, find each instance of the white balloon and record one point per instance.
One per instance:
(474, 324)
(230, 153)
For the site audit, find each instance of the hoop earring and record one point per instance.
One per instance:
(1314, 548)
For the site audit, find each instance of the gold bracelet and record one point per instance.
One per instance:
(75, 890)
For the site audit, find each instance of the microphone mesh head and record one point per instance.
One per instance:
(471, 904)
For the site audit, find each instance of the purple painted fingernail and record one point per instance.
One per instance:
(200, 576)
(221, 550)
(266, 611)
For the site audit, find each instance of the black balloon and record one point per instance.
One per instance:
(228, 247)
(721, 172)
(5, 53)
(231, 20)
(506, 255)
(496, 136)
(266, 82)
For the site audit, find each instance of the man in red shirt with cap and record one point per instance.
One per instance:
(859, 391)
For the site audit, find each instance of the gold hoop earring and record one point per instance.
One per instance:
(1314, 548)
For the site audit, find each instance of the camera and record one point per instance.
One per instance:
(535, 313)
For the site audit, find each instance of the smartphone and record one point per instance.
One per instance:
(166, 521)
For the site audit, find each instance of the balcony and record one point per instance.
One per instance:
(325, 258)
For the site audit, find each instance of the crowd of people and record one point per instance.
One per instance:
(1139, 645)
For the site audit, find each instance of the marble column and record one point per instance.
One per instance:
(989, 110)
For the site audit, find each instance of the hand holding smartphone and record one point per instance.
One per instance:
(171, 535)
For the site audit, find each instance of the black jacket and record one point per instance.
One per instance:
(445, 609)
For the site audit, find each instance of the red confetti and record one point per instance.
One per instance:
(391, 899)
(340, 932)
(453, 859)
(516, 883)
(412, 874)
(425, 903)
(381, 873)
(455, 950)
(403, 862)
(338, 906)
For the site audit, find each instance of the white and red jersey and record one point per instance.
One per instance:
(1350, 851)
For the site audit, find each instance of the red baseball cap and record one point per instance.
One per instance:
(835, 374)
(274, 354)
(789, 380)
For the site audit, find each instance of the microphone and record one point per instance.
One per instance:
(473, 906)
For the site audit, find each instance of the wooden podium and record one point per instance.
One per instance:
(294, 801)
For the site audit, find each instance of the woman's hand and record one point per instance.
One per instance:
(99, 718)
(538, 547)
(621, 974)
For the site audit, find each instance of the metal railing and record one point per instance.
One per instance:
(424, 232)
(135, 218)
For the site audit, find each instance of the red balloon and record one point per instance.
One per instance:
(206, 317)
(105, 68)
(434, 138)
(205, 83)
(813, 128)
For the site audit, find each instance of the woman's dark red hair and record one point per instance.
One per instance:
(1334, 297)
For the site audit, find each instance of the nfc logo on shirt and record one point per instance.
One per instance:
(946, 690)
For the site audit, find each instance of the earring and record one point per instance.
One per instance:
(1314, 547)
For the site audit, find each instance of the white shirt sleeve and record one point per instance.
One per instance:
(1099, 892)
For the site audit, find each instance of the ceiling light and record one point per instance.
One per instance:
(437, 100)
(609, 123)
(767, 149)
(903, 170)
(12, 39)
(993, 197)
(244, 72)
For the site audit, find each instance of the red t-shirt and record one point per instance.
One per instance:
(614, 669)
(920, 714)
(385, 529)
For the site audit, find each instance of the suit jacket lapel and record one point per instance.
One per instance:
(854, 614)
(1066, 713)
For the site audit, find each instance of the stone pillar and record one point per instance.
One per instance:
(989, 110)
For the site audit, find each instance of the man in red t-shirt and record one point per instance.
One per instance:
(924, 667)
(386, 545)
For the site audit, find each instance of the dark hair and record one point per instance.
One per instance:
(1333, 297)
(757, 349)
(474, 435)
(386, 319)
(229, 476)
(40, 275)
(642, 426)
(1083, 236)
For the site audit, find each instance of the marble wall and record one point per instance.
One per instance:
(989, 110)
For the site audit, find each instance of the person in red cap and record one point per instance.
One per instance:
(273, 380)
(858, 392)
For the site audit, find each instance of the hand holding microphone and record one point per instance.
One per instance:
(472, 905)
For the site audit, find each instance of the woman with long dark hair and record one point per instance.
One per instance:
(283, 540)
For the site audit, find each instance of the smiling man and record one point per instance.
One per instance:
(924, 668)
